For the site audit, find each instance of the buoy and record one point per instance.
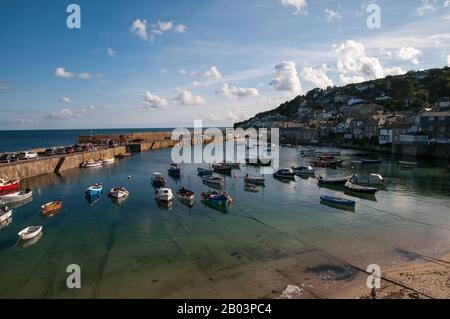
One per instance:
(129, 177)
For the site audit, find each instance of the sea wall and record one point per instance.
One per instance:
(46, 165)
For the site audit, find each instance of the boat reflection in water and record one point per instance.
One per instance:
(92, 199)
(118, 201)
(22, 244)
(6, 223)
(163, 205)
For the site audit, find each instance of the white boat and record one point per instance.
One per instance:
(372, 179)
(91, 163)
(5, 213)
(16, 197)
(108, 160)
(304, 171)
(30, 232)
(164, 194)
(118, 192)
(255, 180)
(408, 164)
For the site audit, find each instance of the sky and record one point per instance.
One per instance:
(144, 63)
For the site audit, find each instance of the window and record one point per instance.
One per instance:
(431, 129)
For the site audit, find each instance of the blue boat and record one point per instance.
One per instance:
(217, 199)
(285, 173)
(174, 170)
(337, 201)
(371, 162)
(94, 190)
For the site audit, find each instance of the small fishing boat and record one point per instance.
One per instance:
(51, 207)
(360, 189)
(304, 171)
(163, 194)
(372, 179)
(213, 180)
(371, 162)
(217, 199)
(94, 190)
(30, 232)
(9, 185)
(406, 164)
(118, 192)
(158, 180)
(204, 172)
(185, 194)
(222, 168)
(308, 152)
(5, 214)
(251, 188)
(108, 160)
(285, 173)
(332, 181)
(91, 163)
(337, 201)
(16, 196)
(174, 170)
(326, 157)
(255, 180)
(234, 165)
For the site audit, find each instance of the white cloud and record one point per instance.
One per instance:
(65, 99)
(299, 5)
(236, 116)
(186, 97)
(394, 71)
(24, 122)
(286, 78)
(211, 74)
(164, 26)
(163, 71)
(69, 114)
(425, 7)
(232, 92)
(152, 101)
(139, 27)
(198, 84)
(409, 54)
(180, 28)
(88, 76)
(355, 66)
(184, 72)
(318, 77)
(448, 60)
(332, 15)
(111, 52)
(62, 73)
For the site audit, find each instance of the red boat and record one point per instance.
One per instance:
(327, 163)
(6, 186)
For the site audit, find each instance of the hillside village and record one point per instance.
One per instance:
(408, 109)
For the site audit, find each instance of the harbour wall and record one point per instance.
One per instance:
(54, 164)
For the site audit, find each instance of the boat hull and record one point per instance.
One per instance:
(5, 215)
(11, 186)
(336, 201)
(29, 233)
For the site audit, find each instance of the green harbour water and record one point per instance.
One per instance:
(281, 235)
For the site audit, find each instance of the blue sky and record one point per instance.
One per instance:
(217, 60)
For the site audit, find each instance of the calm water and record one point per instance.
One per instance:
(11, 141)
(281, 235)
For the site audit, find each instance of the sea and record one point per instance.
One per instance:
(14, 141)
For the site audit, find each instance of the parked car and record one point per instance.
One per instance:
(70, 150)
(78, 148)
(49, 152)
(60, 151)
(27, 155)
(8, 158)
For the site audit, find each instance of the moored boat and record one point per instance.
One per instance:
(158, 180)
(213, 180)
(285, 173)
(186, 195)
(108, 160)
(118, 192)
(94, 190)
(255, 180)
(337, 201)
(51, 207)
(304, 171)
(30, 232)
(16, 196)
(332, 181)
(9, 185)
(219, 199)
(91, 163)
(372, 179)
(163, 194)
(124, 155)
(258, 162)
(5, 213)
(360, 189)
(251, 188)
(406, 164)
(327, 163)
(222, 168)
(174, 170)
